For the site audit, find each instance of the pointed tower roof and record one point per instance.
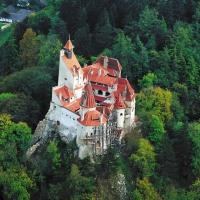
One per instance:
(119, 103)
(69, 45)
(88, 100)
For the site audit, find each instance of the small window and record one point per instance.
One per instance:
(100, 92)
(107, 93)
(121, 114)
(65, 78)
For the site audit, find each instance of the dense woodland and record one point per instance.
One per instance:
(158, 45)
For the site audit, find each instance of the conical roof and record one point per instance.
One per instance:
(88, 100)
(69, 45)
(119, 103)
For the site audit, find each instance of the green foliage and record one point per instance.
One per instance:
(145, 191)
(5, 35)
(144, 158)
(14, 141)
(79, 184)
(194, 135)
(52, 151)
(147, 81)
(28, 48)
(156, 130)
(10, 58)
(155, 101)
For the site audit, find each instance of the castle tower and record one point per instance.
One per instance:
(120, 110)
(88, 101)
(68, 49)
(70, 71)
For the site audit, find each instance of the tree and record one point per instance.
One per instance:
(147, 81)
(40, 23)
(29, 49)
(53, 154)
(144, 158)
(48, 55)
(14, 141)
(194, 135)
(83, 41)
(156, 130)
(21, 107)
(124, 51)
(104, 33)
(10, 58)
(155, 101)
(79, 184)
(58, 27)
(145, 191)
(35, 82)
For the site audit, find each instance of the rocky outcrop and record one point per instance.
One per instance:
(46, 130)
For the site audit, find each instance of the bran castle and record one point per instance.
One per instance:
(92, 104)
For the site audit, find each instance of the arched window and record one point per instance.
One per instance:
(100, 92)
(107, 93)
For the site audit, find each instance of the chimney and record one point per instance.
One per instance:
(101, 118)
(105, 62)
(82, 114)
(99, 71)
(60, 95)
(85, 65)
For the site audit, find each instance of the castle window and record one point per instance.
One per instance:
(100, 92)
(107, 93)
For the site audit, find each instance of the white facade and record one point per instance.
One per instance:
(86, 99)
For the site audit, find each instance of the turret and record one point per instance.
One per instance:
(68, 48)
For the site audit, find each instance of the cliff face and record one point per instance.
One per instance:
(46, 130)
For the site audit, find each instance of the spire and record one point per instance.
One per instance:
(68, 48)
(119, 103)
(69, 45)
(88, 100)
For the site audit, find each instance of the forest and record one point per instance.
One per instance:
(157, 43)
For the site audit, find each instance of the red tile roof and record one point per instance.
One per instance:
(88, 100)
(103, 80)
(74, 105)
(98, 87)
(64, 91)
(72, 64)
(119, 103)
(112, 63)
(130, 94)
(98, 98)
(93, 118)
(69, 45)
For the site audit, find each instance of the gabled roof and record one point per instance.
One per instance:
(18, 16)
(130, 94)
(88, 100)
(119, 103)
(64, 91)
(112, 63)
(11, 9)
(69, 45)
(93, 118)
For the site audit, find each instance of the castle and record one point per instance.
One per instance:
(92, 104)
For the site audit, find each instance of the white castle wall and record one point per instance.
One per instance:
(67, 119)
